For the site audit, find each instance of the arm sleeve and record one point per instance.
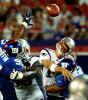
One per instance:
(5, 72)
(12, 64)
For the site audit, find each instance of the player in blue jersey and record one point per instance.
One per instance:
(11, 68)
(48, 78)
(64, 62)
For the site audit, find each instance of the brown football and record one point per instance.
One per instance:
(53, 10)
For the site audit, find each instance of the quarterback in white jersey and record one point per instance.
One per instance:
(51, 55)
(61, 61)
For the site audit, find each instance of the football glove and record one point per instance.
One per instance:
(17, 75)
(25, 20)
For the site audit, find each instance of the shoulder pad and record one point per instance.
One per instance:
(49, 53)
(46, 53)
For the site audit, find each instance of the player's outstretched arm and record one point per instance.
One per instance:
(55, 68)
(53, 88)
(23, 22)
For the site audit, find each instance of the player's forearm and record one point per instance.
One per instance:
(53, 88)
(52, 66)
(47, 63)
(18, 33)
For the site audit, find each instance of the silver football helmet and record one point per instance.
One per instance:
(25, 48)
(69, 42)
(65, 46)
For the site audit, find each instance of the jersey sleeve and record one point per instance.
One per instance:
(77, 72)
(10, 65)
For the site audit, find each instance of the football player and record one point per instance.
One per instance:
(29, 63)
(26, 58)
(10, 68)
(58, 64)
(63, 52)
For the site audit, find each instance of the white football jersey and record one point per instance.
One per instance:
(50, 55)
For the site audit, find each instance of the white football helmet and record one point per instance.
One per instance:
(25, 48)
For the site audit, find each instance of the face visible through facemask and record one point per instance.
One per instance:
(61, 49)
(58, 51)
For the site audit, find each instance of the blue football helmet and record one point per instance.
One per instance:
(13, 48)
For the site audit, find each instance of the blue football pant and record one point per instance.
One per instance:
(8, 91)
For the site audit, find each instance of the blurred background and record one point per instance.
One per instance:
(46, 31)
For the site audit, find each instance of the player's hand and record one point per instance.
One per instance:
(17, 75)
(67, 74)
(13, 74)
(27, 18)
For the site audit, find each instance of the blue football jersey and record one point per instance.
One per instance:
(9, 64)
(68, 63)
(7, 61)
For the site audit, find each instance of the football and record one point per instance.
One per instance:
(53, 10)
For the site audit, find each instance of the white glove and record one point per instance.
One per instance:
(16, 75)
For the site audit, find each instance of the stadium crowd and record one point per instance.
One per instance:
(72, 21)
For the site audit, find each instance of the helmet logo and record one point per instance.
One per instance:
(26, 50)
(14, 50)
